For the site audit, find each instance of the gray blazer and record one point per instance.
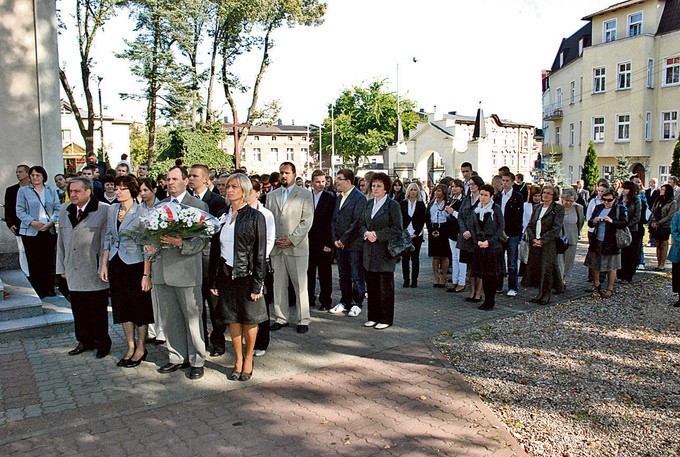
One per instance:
(294, 220)
(80, 246)
(181, 267)
(29, 206)
(387, 224)
(117, 241)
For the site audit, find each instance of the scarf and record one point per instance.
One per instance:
(482, 210)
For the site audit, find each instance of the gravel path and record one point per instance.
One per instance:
(590, 377)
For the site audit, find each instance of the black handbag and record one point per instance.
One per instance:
(397, 247)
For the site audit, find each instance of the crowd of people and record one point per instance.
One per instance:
(280, 235)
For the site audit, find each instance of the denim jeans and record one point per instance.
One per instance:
(512, 248)
(352, 277)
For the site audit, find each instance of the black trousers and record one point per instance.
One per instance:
(380, 288)
(320, 262)
(489, 285)
(630, 258)
(215, 309)
(262, 341)
(410, 262)
(91, 318)
(41, 255)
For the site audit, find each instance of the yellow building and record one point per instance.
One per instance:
(616, 82)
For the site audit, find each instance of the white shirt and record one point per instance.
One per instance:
(42, 214)
(227, 240)
(271, 227)
(201, 195)
(377, 204)
(437, 213)
(317, 197)
(180, 197)
(411, 212)
(538, 223)
(505, 198)
(591, 207)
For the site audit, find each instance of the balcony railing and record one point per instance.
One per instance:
(552, 114)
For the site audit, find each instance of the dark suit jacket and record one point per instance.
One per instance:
(651, 197)
(346, 225)
(523, 190)
(418, 218)
(11, 218)
(387, 226)
(551, 222)
(514, 212)
(217, 205)
(321, 235)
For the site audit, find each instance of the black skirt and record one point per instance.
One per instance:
(128, 301)
(235, 295)
(485, 263)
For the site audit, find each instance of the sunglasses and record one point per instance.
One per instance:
(607, 200)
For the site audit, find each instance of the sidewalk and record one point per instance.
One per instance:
(339, 389)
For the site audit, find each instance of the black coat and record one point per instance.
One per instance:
(493, 228)
(11, 218)
(619, 218)
(387, 226)
(217, 205)
(513, 214)
(250, 250)
(346, 225)
(321, 235)
(418, 218)
(523, 190)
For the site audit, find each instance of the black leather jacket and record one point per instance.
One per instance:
(250, 247)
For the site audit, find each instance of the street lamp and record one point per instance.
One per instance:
(102, 156)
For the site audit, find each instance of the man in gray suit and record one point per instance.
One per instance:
(293, 210)
(82, 226)
(177, 276)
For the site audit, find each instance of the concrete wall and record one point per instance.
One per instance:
(29, 88)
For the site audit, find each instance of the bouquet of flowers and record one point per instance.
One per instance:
(174, 219)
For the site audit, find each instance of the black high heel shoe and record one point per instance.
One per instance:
(135, 363)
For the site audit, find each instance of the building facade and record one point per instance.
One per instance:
(267, 146)
(616, 82)
(437, 148)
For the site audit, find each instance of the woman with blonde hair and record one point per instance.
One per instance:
(413, 217)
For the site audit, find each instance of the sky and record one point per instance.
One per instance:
(466, 52)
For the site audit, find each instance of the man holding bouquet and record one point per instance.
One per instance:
(177, 275)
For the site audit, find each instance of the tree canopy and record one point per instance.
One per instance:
(590, 173)
(365, 119)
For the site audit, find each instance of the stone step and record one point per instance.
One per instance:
(24, 314)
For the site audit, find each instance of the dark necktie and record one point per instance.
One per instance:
(79, 216)
(174, 200)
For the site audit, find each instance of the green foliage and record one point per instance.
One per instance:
(268, 115)
(675, 164)
(366, 121)
(590, 173)
(622, 171)
(200, 145)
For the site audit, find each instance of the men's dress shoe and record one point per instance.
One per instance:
(170, 367)
(302, 328)
(101, 353)
(78, 349)
(414, 284)
(277, 326)
(158, 342)
(485, 307)
(324, 308)
(150, 340)
(259, 352)
(216, 352)
(407, 284)
(196, 373)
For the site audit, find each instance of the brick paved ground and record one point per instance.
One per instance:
(339, 389)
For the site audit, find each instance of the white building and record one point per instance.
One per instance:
(437, 148)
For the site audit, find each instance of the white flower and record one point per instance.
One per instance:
(163, 225)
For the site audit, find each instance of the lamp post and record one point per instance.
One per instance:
(102, 156)
(314, 126)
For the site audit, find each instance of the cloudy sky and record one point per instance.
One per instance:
(487, 50)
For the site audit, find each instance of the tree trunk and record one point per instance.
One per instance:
(211, 77)
(86, 132)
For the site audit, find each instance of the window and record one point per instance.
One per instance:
(275, 153)
(669, 125)
(66, 135)
(290, 156)
(571, 173)
(610, 31)
(624, 76)
(571, 134)
(580, 132)
(623, 127)
(558, 134)
(273, 137)
(635, 24)
(290, 138)
(648, 126)
(572, 92)
(304, 138)
(303, 150)
(671, 70)
(607, 171)
(580, 47)
(650, 73)
(599, 80)
(561, 59)
(664, 173)
(257, 154)
(558, 98)
(580, 92)
(256, 138)
(598, 129)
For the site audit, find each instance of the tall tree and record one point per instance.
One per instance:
(590, 173)
(675, 164)
(152, 57)
(250, 24)
(90, 16)
(365, 121)
(622, 172)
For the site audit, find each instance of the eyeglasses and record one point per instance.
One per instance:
(547, 192)
(120, 189)
(607, 200)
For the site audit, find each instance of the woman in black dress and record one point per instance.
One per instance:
(487, 225)
(465, 242)
(237, 272)
(128, 271)
(438, 242)
(413, 218)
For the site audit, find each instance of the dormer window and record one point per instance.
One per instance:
(610, 31)
(561, 59)
(580, 47)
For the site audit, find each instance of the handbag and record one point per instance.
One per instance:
(523, 249)
(562, 243)
(401, 245)
(623, 237)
